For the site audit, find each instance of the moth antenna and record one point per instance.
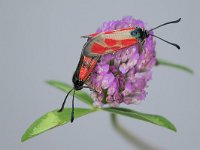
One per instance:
(176, 45)
(72, 113)
(63, 104)
(176, 21)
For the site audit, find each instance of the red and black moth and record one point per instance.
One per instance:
(102, 43)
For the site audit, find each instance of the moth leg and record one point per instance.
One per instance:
(140, 47)
(92, 90)
(89, 88)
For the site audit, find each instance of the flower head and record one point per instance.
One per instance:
(122, 77)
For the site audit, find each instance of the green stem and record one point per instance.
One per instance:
(177, 66)
(133, 139)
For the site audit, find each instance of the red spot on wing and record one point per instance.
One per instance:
(82, 73)
(109, 32)
(97, 48)
(110, 42)
(92, 65)
(94, 34)
(128, 42)
(86, 60)
(116, 48)
(124, 29)
(86, 68)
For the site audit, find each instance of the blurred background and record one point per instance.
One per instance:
(40, 40)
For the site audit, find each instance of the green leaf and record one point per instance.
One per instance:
(177, 66)
(53, 119)
(155, 119)
(81, 95)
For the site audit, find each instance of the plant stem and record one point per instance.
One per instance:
(177, 66)
(133, 139)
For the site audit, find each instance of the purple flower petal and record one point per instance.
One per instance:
(131, 100)
(102, 68)
(117, 97)
(107, 80)
(123, 68)
(113, 87)
(109, 99)
(129, 88)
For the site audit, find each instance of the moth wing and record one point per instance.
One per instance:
(86, 36)
(87, 66)
(107, 32)
(108, 43)
(90, 35)
(95, 46)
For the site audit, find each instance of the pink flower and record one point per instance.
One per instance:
(122, 77)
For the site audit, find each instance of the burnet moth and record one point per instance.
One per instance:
(102, 43)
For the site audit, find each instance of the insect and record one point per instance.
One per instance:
(102, 43)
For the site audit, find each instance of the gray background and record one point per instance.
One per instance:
(40, 40)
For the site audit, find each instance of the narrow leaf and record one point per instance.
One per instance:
(51, 120)
(177, 66)
(81, 95)
(155, 119)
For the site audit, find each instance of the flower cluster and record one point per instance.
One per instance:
(122, 77)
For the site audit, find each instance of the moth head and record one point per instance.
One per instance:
(139, 34)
